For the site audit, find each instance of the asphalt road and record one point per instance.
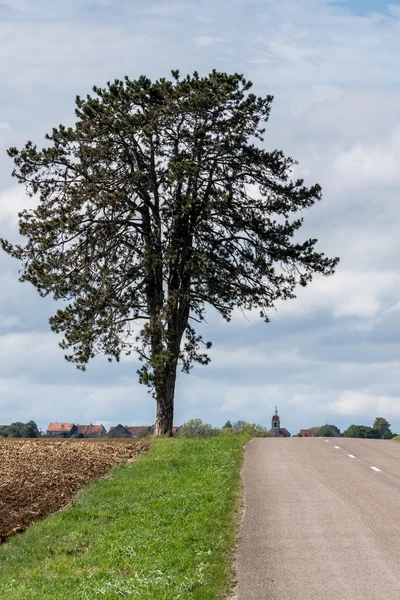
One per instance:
(321, 520)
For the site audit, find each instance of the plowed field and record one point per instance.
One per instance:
(39, 476)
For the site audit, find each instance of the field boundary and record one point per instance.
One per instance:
(161, 528)
(40, 476)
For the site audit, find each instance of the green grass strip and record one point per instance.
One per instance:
(162, 528)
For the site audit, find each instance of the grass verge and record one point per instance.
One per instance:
(162, 528)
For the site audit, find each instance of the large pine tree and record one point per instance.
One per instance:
(161, 200)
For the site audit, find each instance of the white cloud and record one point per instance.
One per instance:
(15, 4)
(169, 8)
(37, 349)
(82, 58)
(364, 166)
(12, 201)
(346, 294)
(354, 403)
(394, 10)
(204, 41)
(258, 356)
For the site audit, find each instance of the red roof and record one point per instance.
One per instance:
(312, 432)
(275, 418)
(138, 429)
(90, 430)
(121, 427)
(135, 430)
(60, 427)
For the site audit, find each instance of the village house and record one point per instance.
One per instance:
(66, 430)
(276, 429)
(61, 429)
(136, 430)
(92, 430)
(311, 432)
(119, 431)
(139, 430)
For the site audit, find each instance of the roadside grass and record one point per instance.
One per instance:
(396, 437)
(161, 528)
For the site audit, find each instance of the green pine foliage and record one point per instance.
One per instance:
(160, 202)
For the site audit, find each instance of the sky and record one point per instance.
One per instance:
(330, 355)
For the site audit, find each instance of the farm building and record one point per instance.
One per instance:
(92, 430)
(139, 430)
(119, 431)
(312, 432)
(135, 430)
(61, 429)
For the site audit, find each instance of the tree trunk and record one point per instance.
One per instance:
(165, 393)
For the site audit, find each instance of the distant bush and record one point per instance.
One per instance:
(228, 431)
(239, 424)
(196, 428)
(362, 431)
(328, 431)
(27, 431)
(251, 429)
(254, 430)
(379, 430)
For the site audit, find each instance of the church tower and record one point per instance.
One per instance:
(276, 423)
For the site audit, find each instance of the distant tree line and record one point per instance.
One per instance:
(20, 430)
(193, 428)
(328, 431)
(196, 428)
(379, 430)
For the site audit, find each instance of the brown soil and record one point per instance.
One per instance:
(39, 476)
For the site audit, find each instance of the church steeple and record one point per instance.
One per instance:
(276, 423)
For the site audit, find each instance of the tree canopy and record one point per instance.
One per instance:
(383, 426)
(361, 431)
(328, 431)
(159, 201)
(379, 430)
(20, 430)
(196, 428)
